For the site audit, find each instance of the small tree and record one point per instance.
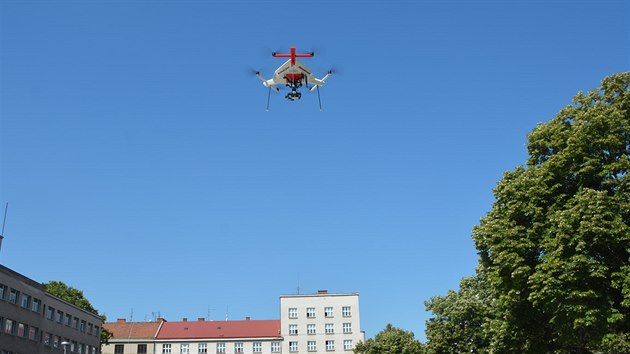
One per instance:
(391, 340)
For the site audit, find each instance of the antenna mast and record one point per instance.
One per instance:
(3, 223)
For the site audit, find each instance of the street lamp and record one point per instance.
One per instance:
(65, 346)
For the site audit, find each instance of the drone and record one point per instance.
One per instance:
(294, 74)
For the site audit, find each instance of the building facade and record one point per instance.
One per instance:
(320, 323)
(311, 323)
(221, 337)
(33, 321)
(133, 337)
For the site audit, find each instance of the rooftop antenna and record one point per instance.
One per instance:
(4, 221)
(227, 310)
(6, 207)
(131, 316)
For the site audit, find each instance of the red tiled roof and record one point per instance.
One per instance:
(133, 329)
(220, 329)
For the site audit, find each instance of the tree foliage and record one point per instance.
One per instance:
(391, 340)
(75, 297)
(459, 316)
(554, 250)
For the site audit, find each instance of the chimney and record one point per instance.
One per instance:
(121, 320)
(184, 319)
(322, 291)
(247, 318)
(201, 319)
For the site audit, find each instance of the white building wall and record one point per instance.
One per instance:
(212, 345)
(290, 304)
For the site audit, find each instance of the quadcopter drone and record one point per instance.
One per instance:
(294, 74)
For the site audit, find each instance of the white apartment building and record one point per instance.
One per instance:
(320, 323)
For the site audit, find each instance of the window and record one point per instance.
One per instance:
(36, 305)
(119, 349)
(310, 312)
(33, 333)
(203, 348)
(346, 311)
(96, 332)
(347, 328)
(310, 329)
(26, 301)
(311, 346)
(275, 347)
(184, 349)
(3, 290)
(166, 348)
(68, 321)
(328, 311)
(293, 347)
(59, 316)
(9, 327)
(220, 347)
(56, 341)
(330, 345)
(22, 330)
(50, 312)
(13, 296)
(90, 328)
(142, 349)
(238, 347)
(76, 323)
(81, 347)
(347, 344)
(329, 328)
(293, 329)
(257, 348)
(82, 326)
(293, 312)
(47, 339)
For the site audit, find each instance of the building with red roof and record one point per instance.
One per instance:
(132, 337)
(313, 323)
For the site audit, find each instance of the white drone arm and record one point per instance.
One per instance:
(319, 82)
(267, 83)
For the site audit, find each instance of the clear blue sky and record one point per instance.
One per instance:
(140, 165)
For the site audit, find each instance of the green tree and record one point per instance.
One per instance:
(459, 317)
(554, 250)
(75, 297)
(391, 340)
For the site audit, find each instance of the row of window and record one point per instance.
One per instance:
(51, 340)
(71, 321)
(346, 311)
(25, 301)
(329, 328)
(141, 349)
(23, 330)
(239, 347)
(311, 345)
(28, 302)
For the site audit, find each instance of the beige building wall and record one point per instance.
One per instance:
(320, 323)
(130, 346)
